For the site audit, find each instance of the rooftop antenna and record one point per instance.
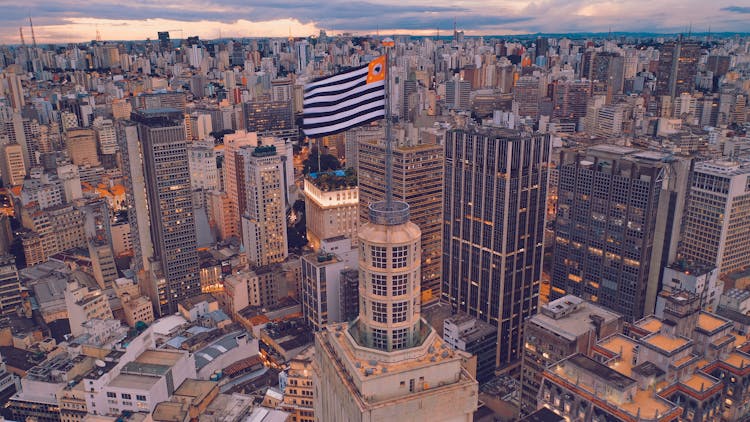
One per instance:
(690, 29)
(388, 44)
(33, 37)
(20, 32)
(98, 34)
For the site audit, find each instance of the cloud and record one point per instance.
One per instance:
(66, 20)
(736, 9)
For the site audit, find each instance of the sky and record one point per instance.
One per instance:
(69, 20)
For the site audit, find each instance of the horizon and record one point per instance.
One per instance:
(530, 35)
(65, 21)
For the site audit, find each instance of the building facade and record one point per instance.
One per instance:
(170, 209)
(418, 181)
(494, 211)
(263, 213)
(608, 204)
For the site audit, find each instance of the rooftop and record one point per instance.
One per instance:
(571, 318)
(711, 323)
(700, 382)
(599, 370)
(666, 343)
(737, 359)
(227, 408)
(623, 347)
(159, 357)
(134, 382)
(651, 324)
(204, 356)
(198, 390)
(169, 411)
(643, 402)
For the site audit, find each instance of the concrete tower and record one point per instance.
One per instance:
(389, 364)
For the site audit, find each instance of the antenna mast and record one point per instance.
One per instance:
(20, 31)
(33, 37)
(388, 43)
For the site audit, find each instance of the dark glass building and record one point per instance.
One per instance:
(494, 209)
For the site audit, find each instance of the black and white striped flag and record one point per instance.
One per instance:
(345, 100)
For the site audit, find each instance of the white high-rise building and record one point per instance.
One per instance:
(260, 173)
(106, 135)
(715, 225)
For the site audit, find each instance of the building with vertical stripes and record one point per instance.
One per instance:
(493, 215)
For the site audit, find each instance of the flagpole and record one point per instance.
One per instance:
(388, 43)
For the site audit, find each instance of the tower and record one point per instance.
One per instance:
(421, 186)
(174, 264)
(606, 243)
(263, 213)
(493, 213)
(389, 363)
(714, 227)
(678, 65)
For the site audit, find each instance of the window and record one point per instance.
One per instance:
(399, 311)
(125, 396)
(398, 338)
(399, 256)
(379, 258)
(379, 284)
(399, 283)
(140, 397)
(380, 339)
(111, 394)
(379, 312)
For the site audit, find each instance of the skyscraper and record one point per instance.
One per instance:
(10, 286)
(12, 167)
(262, 211)
(418, 181)
(232, 143)
(526, 97)
(170, 208)
(609, 68)
(81, 144)
(268, 117)
(164, 42)
(570, 99)
(493, 212)
(606, 244)
(715, 225)
(678, 65)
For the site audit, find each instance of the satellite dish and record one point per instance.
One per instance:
(100, 363)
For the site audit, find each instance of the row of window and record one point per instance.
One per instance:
(398, 311)
(399, 284)
(126, 396)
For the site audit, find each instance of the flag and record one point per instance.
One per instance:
(345, 100)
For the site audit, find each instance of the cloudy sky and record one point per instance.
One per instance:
(70, 20)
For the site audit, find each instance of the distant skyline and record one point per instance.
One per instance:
(58, 21)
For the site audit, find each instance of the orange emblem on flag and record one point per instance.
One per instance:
(376, 70)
